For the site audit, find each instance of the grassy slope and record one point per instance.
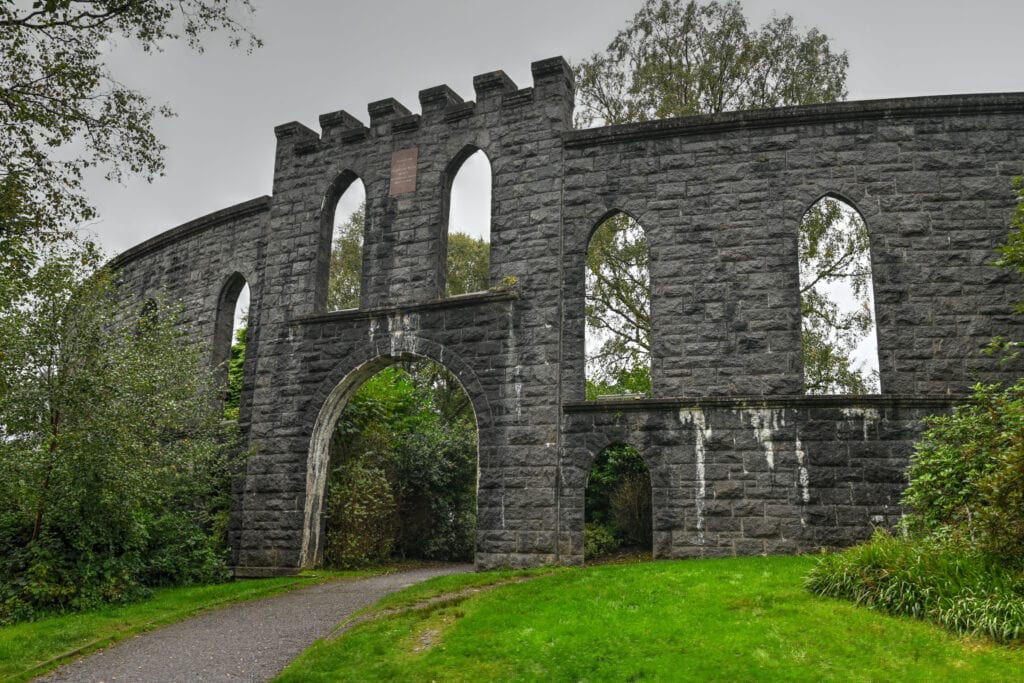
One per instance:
(26, 646)
(737, 619)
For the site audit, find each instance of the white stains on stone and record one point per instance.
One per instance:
(867, 415)
(374, 327)
(519, 396)
(804, 477)
(701, 433)
(765, 421)
(401, 330)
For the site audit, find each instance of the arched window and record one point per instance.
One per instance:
(230, 338)
(346, 266)
(618, 309)
(617, 509)
(468, 242)
(840, 351)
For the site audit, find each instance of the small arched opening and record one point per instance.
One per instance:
(618, 309)
(467, 262)
(617, 510)
(838, 340)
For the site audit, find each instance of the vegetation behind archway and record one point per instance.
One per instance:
(403, 473)
(617, 504)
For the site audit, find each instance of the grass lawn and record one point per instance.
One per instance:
(30, 649)
(736, 619)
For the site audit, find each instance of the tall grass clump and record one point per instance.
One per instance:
(966, 591)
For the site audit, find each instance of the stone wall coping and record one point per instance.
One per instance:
(835, 112)
(195, 226)
(939, 403)
(460, 301)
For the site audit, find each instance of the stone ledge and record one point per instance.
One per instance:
(743, 402)
(263, 572)
(195, 226)
(900, 108)
(460, 301)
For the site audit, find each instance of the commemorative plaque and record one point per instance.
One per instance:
(403, 171)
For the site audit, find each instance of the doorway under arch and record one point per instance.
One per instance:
(428, 434)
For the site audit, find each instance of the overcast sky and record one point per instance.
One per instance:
(324, 55)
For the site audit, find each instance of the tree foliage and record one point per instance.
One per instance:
(114, 463)
(618, 306)
(62, 112)
(346, 270)
(468, 268)
(679, 58)
(834, 249)
(403, 470)
(617, 503)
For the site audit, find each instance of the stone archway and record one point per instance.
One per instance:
(318, 462)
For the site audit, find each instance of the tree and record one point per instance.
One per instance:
(681, 59)
(114, 464)
(618, 308)
(62, 112)
(834, 249)
(468, 268)
(346, 270)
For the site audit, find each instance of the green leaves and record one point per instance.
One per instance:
(681, 59)
(114, 462)
(618, 306)
(62, 112)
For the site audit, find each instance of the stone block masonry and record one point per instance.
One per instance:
(741, 461)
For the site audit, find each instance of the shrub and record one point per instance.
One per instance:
(360, 517)
(967, 473)
(598, 540)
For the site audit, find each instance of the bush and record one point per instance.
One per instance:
(598, 540)
(928, 578)
(360, 518)
(967, 473)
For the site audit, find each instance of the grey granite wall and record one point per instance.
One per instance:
(741, 461)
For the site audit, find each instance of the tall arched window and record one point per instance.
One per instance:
(618, 309)
(468, 251)
(230, 338)
(346, 267)
(840, 351)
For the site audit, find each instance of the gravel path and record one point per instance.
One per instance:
(249, 641)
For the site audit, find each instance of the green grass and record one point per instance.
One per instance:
(737, 619)
(30, 649)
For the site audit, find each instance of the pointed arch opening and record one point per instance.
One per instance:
(618, 309)
(348, 226)
(232, 328)
(617, 512)
(837, 312)
(394, 468)
(467, 252)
